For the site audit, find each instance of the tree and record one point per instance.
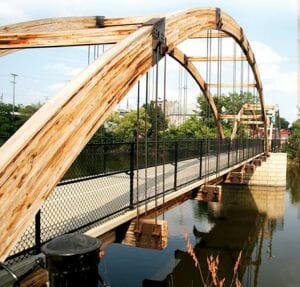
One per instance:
(11, 123)
(127, 126)
(293, 146)
(232, 103)
(284, 124)
(156, 118)
(192, 128)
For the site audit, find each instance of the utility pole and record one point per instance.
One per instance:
(1, 99)
(14, 91)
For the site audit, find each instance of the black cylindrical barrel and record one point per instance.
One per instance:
(72, 260)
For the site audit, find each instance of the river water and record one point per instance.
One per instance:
(263, 223)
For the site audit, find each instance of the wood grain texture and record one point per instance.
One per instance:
(37, 156)
(238, 117)
(231, 85)
(108, 35)
(71, 23)
(216, 58)
(241, 118)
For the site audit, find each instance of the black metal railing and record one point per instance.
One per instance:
(101, 183)
(276, 145)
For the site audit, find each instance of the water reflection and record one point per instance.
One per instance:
(293, 175)
(241, 222)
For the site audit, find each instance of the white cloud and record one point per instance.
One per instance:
(269, 5)
(280, 84)
(10, 12)
(264, 54)
(63, 69)
(54, 88)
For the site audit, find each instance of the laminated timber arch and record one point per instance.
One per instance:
(37, 156)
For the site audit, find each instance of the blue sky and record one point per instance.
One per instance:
(270, 25)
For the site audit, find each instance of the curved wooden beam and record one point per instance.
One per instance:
(37, 156)
(181, 58)
(71, 23)
(68, 31)
(230, 27)
(107, 35)
(216, 59)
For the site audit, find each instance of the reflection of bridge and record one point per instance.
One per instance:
(241, 223)
(36, 158)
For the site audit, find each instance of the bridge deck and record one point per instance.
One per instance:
(100, 204)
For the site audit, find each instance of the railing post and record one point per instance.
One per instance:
(229, 150)
(175, 164)
(104, 158)
(38, 232)
(200, 159)
(248, 149)
(236, 151)
(243, 147)
(131, 174)
(207, 155)
(218, 156)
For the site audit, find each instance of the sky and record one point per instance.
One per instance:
(270, 25)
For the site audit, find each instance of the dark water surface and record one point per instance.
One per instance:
(263, 223)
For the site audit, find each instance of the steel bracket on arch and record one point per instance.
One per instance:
(99, 21)
(158, 38)
(219, 20)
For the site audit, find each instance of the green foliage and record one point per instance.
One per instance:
(284, 124)
(231, 104)
(293, 146)
(9, 122)
(157, 120)
(127, 127)
(194, 128)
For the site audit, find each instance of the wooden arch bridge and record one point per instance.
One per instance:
(36, 157)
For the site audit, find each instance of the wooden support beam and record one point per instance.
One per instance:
(108, 35)
(216, 58)
(251, 122)
(214, 34)
(231, 85)
(236, 123)
(255, 107)
(72, 23)
(181, 58)
(241, 117)
(69, 25)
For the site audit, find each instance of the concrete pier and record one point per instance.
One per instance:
(271, 172)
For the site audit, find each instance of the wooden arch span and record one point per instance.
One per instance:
(37, 156)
